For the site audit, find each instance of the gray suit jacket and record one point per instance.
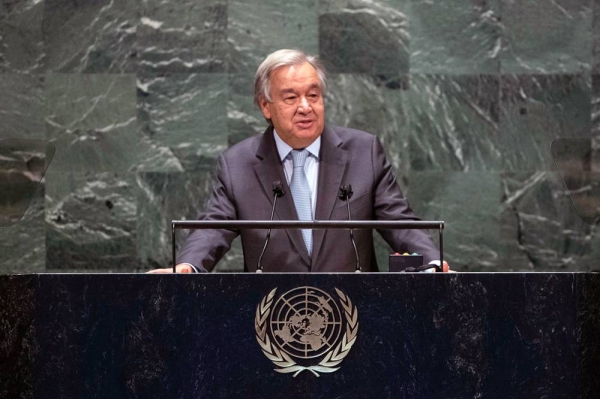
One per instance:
(243, 191)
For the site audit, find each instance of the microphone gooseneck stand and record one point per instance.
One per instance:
(345, 195)
(278, 192)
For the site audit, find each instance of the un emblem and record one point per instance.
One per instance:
(305, 329)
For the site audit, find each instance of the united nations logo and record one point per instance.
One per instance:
(305, 329)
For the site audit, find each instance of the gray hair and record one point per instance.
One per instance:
(283, 58)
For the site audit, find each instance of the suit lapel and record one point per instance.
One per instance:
(332, 167)
(269, 170)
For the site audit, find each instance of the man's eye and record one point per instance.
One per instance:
(290, 98)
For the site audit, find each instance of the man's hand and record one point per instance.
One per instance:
(446, 268)
(181, 268)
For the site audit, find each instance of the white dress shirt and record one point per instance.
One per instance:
(311, 166)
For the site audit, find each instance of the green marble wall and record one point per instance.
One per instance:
(139, 97)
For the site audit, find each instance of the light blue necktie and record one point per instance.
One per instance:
(301, 194)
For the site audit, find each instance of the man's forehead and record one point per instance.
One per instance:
(291, 88)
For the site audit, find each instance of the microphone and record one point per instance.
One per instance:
(345, 195)
(278, 192)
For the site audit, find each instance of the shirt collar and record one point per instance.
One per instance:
(284, 149)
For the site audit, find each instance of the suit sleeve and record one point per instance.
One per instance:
(205, 247)
(390, 204)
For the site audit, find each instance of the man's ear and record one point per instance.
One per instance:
(264, 107)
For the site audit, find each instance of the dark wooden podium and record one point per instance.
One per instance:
(480, 335)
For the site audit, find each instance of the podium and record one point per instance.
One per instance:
(484, 335)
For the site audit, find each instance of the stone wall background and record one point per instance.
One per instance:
(140, 96)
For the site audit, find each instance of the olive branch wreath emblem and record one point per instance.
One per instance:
(283, 361)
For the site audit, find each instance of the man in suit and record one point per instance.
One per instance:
(312, 161)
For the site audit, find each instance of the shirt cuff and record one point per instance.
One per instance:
(433, 262)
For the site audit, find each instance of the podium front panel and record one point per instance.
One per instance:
(480, 335)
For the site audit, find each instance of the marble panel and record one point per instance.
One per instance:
(464, 119)
(92, 121)
(542, 308)
(481, 335)
(535, 110)
(540, 228)
(18, 346)
(91, 36)
(454, 123)
(173, 196)
(183, 36)
(370, 103)
(22, 228)
(22, 106)
(185, 115)
(91, 222)
(244, 118)
(596, 37)
(22, 166)
(21, 36)
(468, 203)
(550, 36)
(89, 101)
(164, 197)
(255, 28)
(424, 191)
(588, 321)
(364, 36)
(578, 163)
(594, 254)
(524, 321)
(23, 243)
(455, 37)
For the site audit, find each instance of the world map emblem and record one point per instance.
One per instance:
(306, 329)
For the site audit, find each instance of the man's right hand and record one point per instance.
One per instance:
(181, 268)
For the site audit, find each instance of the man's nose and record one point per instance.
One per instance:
(304, 105)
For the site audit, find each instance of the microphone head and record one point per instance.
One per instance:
(278, 189)
(346, 192)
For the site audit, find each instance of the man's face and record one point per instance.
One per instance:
(297, 111)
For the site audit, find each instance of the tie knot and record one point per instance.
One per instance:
(299, 157)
